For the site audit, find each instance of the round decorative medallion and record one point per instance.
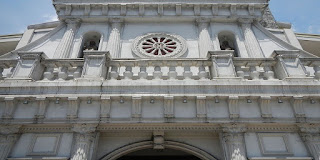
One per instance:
(159, 45)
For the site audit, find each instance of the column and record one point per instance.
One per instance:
(205, 43)
(250, 39)
(114, 42)
(84, 138)
(64, 48)
(310, 134)
(8, 137)
(233, 138)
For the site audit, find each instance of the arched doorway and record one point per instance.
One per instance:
(171, 147)
(151, 154)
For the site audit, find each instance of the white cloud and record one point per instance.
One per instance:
(314, 29)
(50, 18)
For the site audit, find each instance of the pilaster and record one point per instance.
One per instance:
(205, 43)
(8, 137)
(310, 134)
(297, 105)
(84, 139)
(250, 39)
(64, 47)
(233, 138)
(105, 108)
(114, 42)
(29, 66)
(95, 66)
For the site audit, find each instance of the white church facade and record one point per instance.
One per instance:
(160, 79)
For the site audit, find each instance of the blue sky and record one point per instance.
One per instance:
(16, 15)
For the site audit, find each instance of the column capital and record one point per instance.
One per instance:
(309, 128)
(245, 20)
(75, 21)
(234, 128)
(203, 20)
(9, 129)
(84, 128)
(116, 20)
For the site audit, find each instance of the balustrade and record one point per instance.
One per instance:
(62, 69)
(255, 69)
(159, 69)
(169, 69)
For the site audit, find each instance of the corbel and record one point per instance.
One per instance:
(178, 9)
(265, 108)
(215, 9)
(233, 9)
(73, 107)
(10, 107)
(68, 10)
(42, 107)
(201, 107)
(297, 105)
(168, 107)
(233, 104)
(123, 9)
(197, 10)
(251, 9)
(87, 9)
(105, 107)
(160, 9)
(105, 9)
(136, 107)
(141, 9)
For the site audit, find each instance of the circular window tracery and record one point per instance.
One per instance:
(159, 45)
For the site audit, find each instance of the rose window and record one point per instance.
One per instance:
(159, 45)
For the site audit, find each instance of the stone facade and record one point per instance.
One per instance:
(196, 79)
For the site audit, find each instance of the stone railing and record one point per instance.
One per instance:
(255, 69)
(62, 69)
(173, 69)
(97, 65)
(6, 67)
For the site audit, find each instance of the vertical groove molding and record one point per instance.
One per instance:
(8, 137)
(251, 42)
(205, 43)
(309, 133)
(64, 47)
(233, 136)
(114, 42)
(83, 142)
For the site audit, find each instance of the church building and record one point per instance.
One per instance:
(160, 80)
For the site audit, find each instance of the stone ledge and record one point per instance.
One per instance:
(41, 158)
(280, 158)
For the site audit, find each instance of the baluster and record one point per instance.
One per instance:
(128, 74)
(143, 70)
(202, 71)
(9, 74)
(114, 73)
(77, 73)
(172, 70)
(187, 74)
(48, 74)
(268, 73)
(317, 72)
(1, 75)
(63, 75)
(240, 72)
(157, 74)
(254, 74)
